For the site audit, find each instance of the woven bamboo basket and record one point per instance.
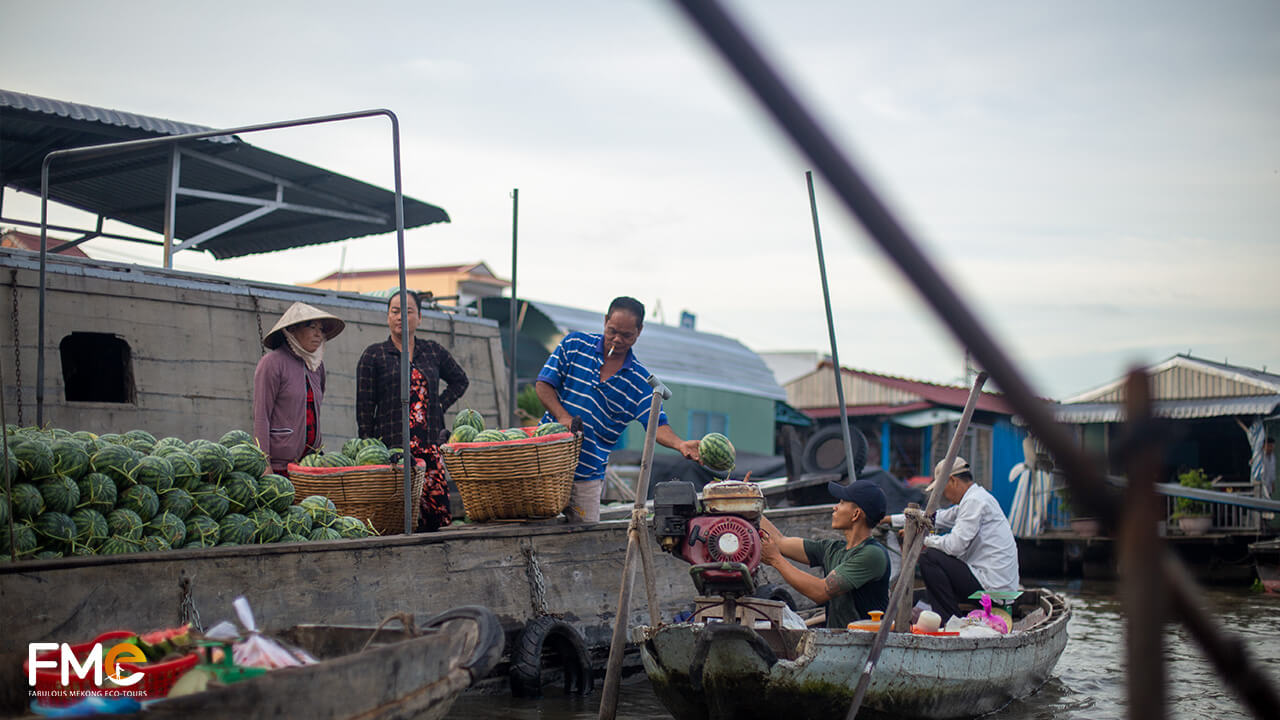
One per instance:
(513, 480)
(368, 492)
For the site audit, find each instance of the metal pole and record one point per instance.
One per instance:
(635, 537)
(1085, 479)
(515, 224)
(406, 337)
(831, 332)
(171, 204)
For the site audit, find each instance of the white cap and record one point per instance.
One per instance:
(961, 465)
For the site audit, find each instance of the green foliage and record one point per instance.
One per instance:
(528, 403)
(1186, 507)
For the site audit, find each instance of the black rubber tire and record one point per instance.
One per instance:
(565, 643)
(781, 593)
(490, 638)
(824, 452)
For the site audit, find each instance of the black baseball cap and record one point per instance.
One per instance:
(865, 494)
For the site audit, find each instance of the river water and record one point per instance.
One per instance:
(1087, 684)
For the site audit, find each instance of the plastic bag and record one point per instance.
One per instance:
(985, 616)
(256, 650)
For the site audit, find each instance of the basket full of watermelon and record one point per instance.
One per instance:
(365, 480)
(511, 474)
(79, 493)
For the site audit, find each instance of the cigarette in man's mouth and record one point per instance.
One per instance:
(610, 351)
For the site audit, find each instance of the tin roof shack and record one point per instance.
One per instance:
(1222, 413)
(174, 352)
(717, 383)
(908, 424)
(464, 283)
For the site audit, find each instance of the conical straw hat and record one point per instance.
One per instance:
(300, 313)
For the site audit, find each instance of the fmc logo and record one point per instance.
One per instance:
(40, 656)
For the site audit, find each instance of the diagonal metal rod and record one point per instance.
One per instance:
(831, 332)
(1085, 479)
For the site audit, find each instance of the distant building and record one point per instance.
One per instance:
(26, 241)
(787, 365)
(909, 423)
(467, 282)
(1222, 411)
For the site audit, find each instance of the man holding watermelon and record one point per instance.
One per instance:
(598, 379)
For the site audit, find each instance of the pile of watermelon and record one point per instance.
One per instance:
(468, 426)
(355, 452)
(77, 493)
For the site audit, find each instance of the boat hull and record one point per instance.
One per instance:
(917, 676)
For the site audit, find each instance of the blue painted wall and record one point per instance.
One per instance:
(1006, 451)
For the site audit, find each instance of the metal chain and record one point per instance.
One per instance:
(257, 313)
(537, 585)
(17, 345)
(187, 613)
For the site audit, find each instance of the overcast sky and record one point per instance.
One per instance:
(1100, 180)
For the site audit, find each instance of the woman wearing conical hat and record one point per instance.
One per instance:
(288, 385)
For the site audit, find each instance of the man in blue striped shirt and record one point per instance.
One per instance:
(597, 378)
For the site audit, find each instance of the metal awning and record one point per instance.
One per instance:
(1079, 413)
(927, 418)
(230, 198)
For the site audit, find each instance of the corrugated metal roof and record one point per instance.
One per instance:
(1104, 412)
(679, 355)
(132, 188)
(1186, 377)
(861, 388)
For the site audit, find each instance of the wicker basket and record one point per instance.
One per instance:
(511, 480)
(368, 492)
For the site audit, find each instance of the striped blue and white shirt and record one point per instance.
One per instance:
(606, 408)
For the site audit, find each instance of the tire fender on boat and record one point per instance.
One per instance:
(715, 631)
(566, 641)
(489, 637)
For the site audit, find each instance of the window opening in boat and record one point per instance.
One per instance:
(97, 367)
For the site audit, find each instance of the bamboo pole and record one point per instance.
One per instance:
(637, 539)
(907, 575)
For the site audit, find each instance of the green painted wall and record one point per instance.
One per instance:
(750, 418)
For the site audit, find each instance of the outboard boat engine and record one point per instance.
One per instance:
(719, 535)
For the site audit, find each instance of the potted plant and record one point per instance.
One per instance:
(1083, 526)
(1193, 516)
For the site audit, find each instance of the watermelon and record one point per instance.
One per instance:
(177, 501)
(338, 460)
(211, 500)
(351, 447)
(549, 428)
(322, 510)
(110, 439)
(61, 494)
(490, 436)
(84, 436)
(324, 533)
(24, 539)
(292, 537)
(236, 437)
(35, 458)
(13, 468)
(235, 529)
(69, 458)
(4, 510)
(140, 440)
(155, 543)
(126, 524)
(716, 452)
(352, 527)
(97, 492)
(186, 469)
(296, 520)
(142, 500)
(47, 555)
(27, 501)
(57, 531)
(214, 459)
(275, 492)
(515, 434)
(155, 472)
(268, 527)
(467, 416)
(166, 445)
(463, 433)
(202, 531)
(116, 462)
(168, 526)
(91, 527)
(117, 545)
(80, 550)
(249, 460)
(242, 491)
(372, 455)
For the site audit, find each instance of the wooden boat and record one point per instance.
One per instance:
(403, 673)
(520, 571)
(1266, 560)
(726, 670)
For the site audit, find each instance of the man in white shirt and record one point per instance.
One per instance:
(978, 554)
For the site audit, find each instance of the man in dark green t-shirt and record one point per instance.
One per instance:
(855, 570)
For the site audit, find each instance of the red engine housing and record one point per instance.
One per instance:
(721, 538)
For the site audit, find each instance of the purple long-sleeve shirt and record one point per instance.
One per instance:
(280, 405)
